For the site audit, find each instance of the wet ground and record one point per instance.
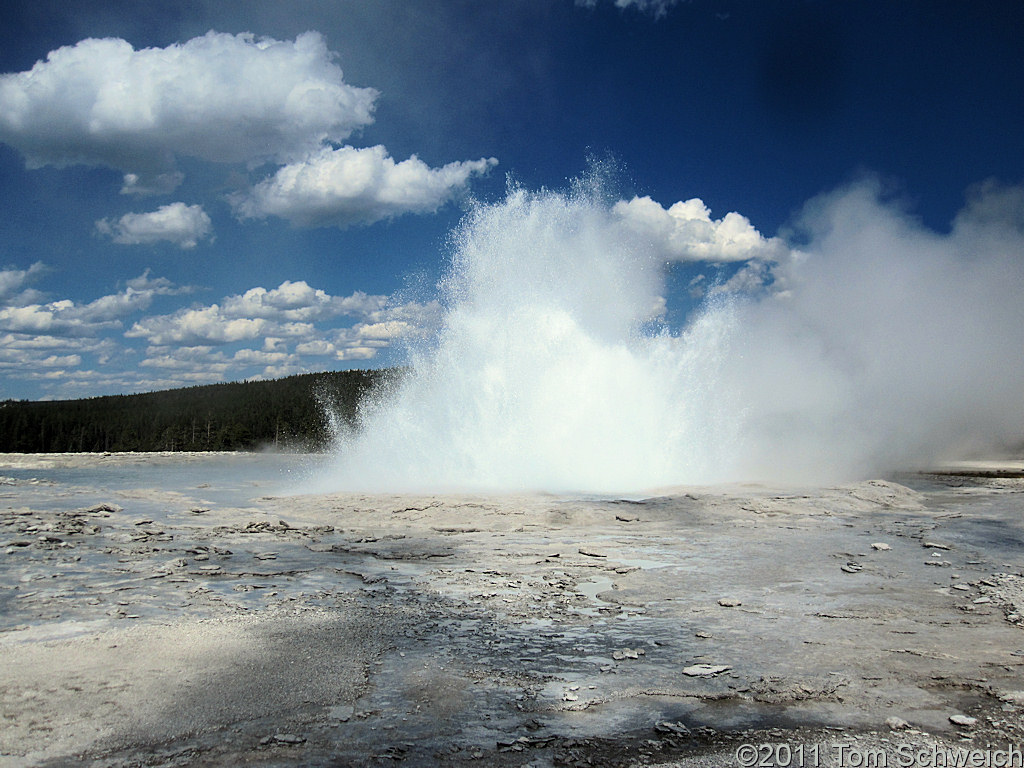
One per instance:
(194, 610)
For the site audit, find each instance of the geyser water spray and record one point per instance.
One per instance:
(541, 377)
(875, 346)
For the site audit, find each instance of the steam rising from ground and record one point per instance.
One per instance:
(877, 344)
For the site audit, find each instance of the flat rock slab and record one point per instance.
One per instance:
(705, 670)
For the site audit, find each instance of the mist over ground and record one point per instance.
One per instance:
(857, 342)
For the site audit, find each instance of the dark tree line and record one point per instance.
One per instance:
(290, 413)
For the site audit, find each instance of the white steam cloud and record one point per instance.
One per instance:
(878, 345)
(885, 344)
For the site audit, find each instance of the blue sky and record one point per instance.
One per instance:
(199, 191)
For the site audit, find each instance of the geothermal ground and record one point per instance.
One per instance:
(185, 623)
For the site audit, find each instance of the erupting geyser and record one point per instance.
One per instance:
(878, 344)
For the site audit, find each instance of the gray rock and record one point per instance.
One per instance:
(665, 726)
(896, 723)
(628, 653)
(288, 738)
(963, 720)
(342, 712)
(729, 602)
(706, 670)
(104, 509)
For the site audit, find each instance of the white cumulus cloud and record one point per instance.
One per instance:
(386, 331)
(197, 358)
(159, 184)
(356, 353)
(686, 231)
(56, 317)
(259, 357)
(65, 317)
(195, 327)
(346, 186)
(11, 358)
(297, 301)
(156, 285)
(288, 313)
(316, 347)
(73, 347)
(219, 97)
(13, 280)
(177, 223)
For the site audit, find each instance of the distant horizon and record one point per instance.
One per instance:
(254, 380)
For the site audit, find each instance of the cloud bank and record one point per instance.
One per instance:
(295, 324)
(71, 348)
(69, 318)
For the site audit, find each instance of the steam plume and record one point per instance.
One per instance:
(877, 344)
